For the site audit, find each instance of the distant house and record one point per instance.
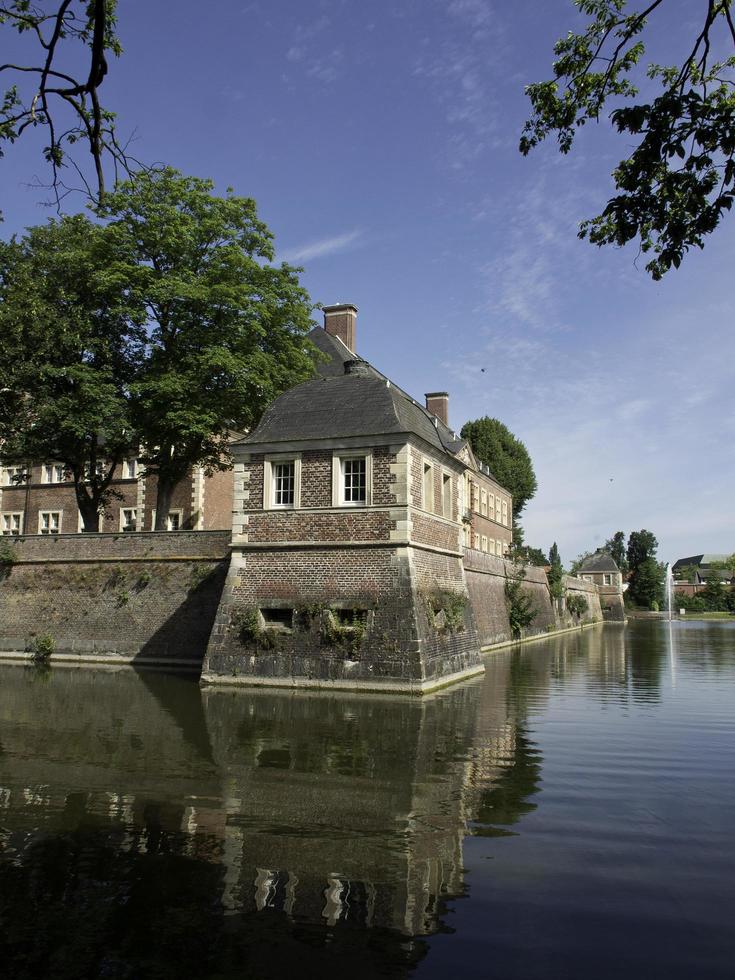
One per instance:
(703, 565)
(601, 569)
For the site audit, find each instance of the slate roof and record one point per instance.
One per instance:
(338, 405)
(701, 561)
(601, 561)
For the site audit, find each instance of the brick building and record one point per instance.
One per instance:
(353, 507)
(39, 498)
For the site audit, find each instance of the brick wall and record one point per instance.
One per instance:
(218, 494)
(345, 524)
(316, 479)
(132, 597)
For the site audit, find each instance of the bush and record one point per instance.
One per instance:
(577, 604)
(42, 647)
(521, 609)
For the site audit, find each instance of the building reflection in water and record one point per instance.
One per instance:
(147, 824)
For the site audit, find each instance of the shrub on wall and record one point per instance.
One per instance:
(577, 604)
(520, 605)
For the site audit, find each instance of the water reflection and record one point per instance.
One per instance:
(148, 829)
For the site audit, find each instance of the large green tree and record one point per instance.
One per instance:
(70, 353)
(556, 572)
(226, 328)
(615, 547)
(647, 575)
(43, 91)
(679, 180)
(495, 445)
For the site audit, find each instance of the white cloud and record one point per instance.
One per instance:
(323, 246)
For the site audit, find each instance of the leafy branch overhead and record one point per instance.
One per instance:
(45, 92)
(679, 181)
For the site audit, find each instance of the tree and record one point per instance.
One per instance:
(518, 602)
(556, 573)
(641, 545)
(680, 178)
(496, 446)
(43, 93)
(615, 547)
(646, 574)
(687, 573)
(226, 330)
(69, 355)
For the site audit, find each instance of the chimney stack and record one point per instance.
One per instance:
(340, 321)
(437, 402)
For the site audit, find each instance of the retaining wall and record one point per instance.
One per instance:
(486, 577)
(148, 597)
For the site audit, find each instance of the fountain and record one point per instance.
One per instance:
(669, 592)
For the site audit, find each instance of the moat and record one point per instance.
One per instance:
(569, 814)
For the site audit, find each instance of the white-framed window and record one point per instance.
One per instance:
(130, 469)
(427, 486)
(354, 480)
(99, 469)
(484, 543)
(49, 521)
(483, 502)
(52, 473)
(476, 497)
(447, 495)
(14, 476)
(476, 541)
(505, 513)
(498, 511)
(607, 579)
(499, 549)
(12, 523)
(128, 519)
(282, 481)
(491, 505)
(174, 520)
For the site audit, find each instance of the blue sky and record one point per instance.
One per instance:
(380, 142)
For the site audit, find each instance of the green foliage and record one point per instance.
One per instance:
(347, 631)
(143, 580)
(556, 573)
(446, 610)
(647, 584)
(496, 446)
(251, 633)
(520, 605)
(706, 601)
(529, 556)
(44, 94)
(8, 554)
(687, 573)
(642, 545)
(42, 647)
(199, 573)
(679, 181)
(70, 356)
(577, 603)
(123, 599)
(226, 329)
(615, 547)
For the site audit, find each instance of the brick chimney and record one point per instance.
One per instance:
(340, 321)
(437, 402)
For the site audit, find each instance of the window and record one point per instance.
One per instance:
(173, 522)
(499, 549)
(284, 483)
(505, 513)
(498, 511)
(476, 541)
(14, 476)
(484, 542)
(447, 495)
(490, 505)
(49, 522)
(99, 468)
(354, 480)
(130, 469)
(483, 502)
(53, 473)
(280, 619)
(428, 487)
(607, 579)
(12, 524)
(128, 519)
(476, 497)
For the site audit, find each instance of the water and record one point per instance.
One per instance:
(570, 815)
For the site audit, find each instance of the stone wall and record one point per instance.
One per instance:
(148, 597)
(486, 577)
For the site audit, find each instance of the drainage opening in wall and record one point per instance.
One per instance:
(279, 619)
(347, 618)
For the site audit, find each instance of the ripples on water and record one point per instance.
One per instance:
(569, 815)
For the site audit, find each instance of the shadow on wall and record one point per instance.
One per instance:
(185, 633)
